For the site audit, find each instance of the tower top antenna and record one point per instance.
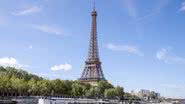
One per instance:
(94, 8)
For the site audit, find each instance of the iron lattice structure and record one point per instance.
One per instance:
(93, 70)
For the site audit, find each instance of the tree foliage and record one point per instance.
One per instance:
(16, 82)
(116, 92)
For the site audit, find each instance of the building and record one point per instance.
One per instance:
(93, 72)
(146, 94)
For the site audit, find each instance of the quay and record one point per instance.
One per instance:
(63, 100)
(7, 102)
(74, 101)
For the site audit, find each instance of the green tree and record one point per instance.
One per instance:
(110, 93)
(58, 87)
(19, 86)
(44, 87)
(119, 91)
(33, 88)
(4, 86)
(68, 87)
(92, 92)
(18, 81)
(102, 86)
(77, 89)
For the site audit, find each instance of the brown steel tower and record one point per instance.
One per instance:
(92, 72)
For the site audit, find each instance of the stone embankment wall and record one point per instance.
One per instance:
(26, 101)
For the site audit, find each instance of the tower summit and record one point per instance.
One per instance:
(92, 72)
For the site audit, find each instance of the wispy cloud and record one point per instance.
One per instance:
(49, 29)
(28, 11)
(125, 48)
(65, 67)
(166, 56)
(162, 4)
(30, 47)
(12, 62)
(146, 16)
(182, 9)
(133, 10)
(131, 7)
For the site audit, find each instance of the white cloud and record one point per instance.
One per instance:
(10, 61)
(65, 67)
(182, 7)
(28, 11)
(168, 57)
(49, 29)
(125, 48)
(30, 47)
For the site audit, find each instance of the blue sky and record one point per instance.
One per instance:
(141, 41)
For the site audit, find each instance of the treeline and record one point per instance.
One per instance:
(16, 82)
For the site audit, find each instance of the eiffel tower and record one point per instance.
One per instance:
(92, 72)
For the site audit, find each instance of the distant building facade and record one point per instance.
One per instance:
(146, 94)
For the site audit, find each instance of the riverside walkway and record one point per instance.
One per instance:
(58, 100)
(74, 101)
